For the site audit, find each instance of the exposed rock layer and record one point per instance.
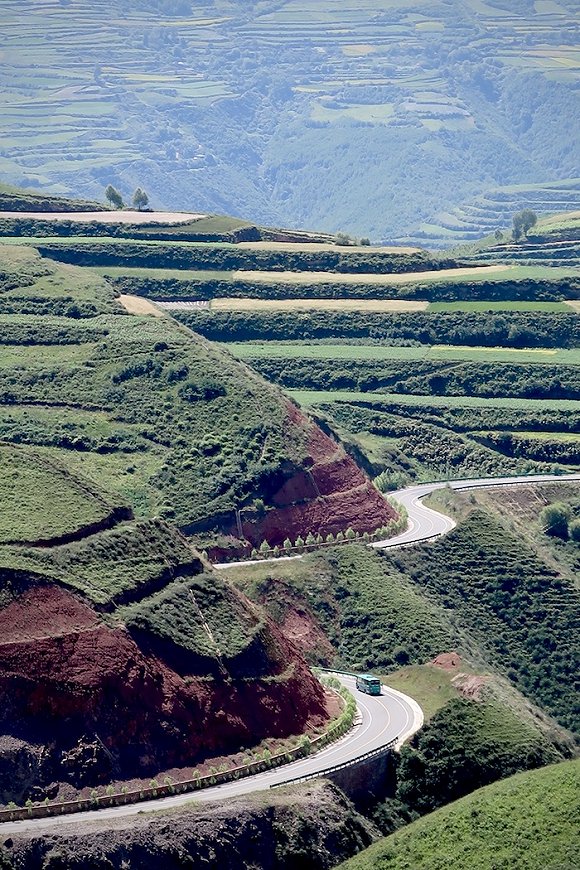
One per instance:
(311, 826)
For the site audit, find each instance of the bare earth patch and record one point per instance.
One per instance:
(365, 278)
(137, 305)
(386, 305)
(469, 686)
(573, 303)
(107, 217)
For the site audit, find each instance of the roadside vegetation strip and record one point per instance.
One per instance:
(305, 746)
(312, 543)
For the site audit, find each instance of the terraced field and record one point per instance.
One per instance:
(435, 96)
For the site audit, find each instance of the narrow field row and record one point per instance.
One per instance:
(444, 353)
(308, 398)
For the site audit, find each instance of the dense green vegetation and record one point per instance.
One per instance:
(521, 610)
(467, 745)
(425, 376)
(401, 447)
(112, 567)
(179, 284)
(525, 822)
(508, 329)
(204, 256)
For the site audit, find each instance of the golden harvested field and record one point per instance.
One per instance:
(137, 305)
(574, 303)
(386, 305)
(342, 278)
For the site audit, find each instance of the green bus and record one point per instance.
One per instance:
(369, 684)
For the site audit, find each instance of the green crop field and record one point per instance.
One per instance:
(308, 398)
(458, 274)
(163, 274)
(508, 305)
(267, 350)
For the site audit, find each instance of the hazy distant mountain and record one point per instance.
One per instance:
(386, 118)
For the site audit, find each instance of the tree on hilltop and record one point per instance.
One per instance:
(113, 196)
(523, 222)
(140, 199)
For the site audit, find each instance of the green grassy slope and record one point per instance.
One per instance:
(145, 405)
(526, 822)
(40, 500)
(371, 616)
(490, 579)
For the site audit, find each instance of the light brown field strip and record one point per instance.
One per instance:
(325, 246)
(365, 278)
(137, 305)
(106, 217)
(573, 303)
(386, 305)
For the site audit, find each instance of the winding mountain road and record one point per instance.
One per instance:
(389, 717)
(381, 720)
(425, 523)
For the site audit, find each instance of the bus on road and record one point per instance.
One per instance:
(369, 684)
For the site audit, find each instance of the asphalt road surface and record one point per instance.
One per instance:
(381, 719)
(426, 523)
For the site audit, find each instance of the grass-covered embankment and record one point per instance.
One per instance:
(526, 822)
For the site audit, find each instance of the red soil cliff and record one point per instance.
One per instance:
(329, 493)
(81, 701)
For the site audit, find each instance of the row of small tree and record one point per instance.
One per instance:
(313, 541)
(139, 199)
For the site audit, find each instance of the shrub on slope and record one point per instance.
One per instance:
(467, 744)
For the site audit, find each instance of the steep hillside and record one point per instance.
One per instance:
(121, 653)
(293, 112)
(183, 673)
(525, 822)
(171, 423)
